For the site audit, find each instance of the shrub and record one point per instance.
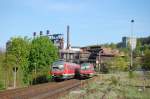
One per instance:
(1, 86)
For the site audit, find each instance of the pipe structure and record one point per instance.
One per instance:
(47, 32)
(68, 36)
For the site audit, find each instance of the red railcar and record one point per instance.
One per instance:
(87, 70)
(64, 70)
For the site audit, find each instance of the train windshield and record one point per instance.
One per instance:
(85, 66)
(59, 65)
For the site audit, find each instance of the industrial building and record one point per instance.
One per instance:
(94, 54)
(126, 41)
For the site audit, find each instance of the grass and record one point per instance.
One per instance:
(114, 86)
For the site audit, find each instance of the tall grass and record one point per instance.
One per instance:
(114, 86)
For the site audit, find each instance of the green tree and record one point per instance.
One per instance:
(146, 60)
(2, 58)
(42, 54)
(118, 64)
(17, 56)
(121, 63)
(137, 52)
(113, 46)
(2, 78)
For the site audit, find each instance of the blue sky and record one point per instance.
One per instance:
(91, 21)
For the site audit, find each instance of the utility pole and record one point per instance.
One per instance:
(15, 75)
(99, 61)
(131, 45)
(15, 78)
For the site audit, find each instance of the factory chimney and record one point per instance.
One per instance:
(34, 34)
(41, 33)
(47, 32)
(68, 37)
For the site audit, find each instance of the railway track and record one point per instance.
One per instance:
(50, 90)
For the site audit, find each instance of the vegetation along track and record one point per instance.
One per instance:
(43, 91)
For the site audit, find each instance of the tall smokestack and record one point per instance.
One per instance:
(41, 33)
(34, 34)
(47, 32)
(68, 37)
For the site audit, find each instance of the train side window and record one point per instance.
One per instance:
(68, 67)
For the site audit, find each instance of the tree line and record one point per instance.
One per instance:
(141, 56)
(32, 58)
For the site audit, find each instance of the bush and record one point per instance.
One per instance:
(40, 79)
(146, 60)
(114, 80)
(1, 86)
(104, 68)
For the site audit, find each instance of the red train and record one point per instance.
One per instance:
(64, 70)
(86, 70)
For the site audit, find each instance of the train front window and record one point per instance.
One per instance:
(85, 66)
(59, 65)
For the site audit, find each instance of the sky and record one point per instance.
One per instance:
(91, 21)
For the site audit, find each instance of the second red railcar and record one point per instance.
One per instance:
(87, 70)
